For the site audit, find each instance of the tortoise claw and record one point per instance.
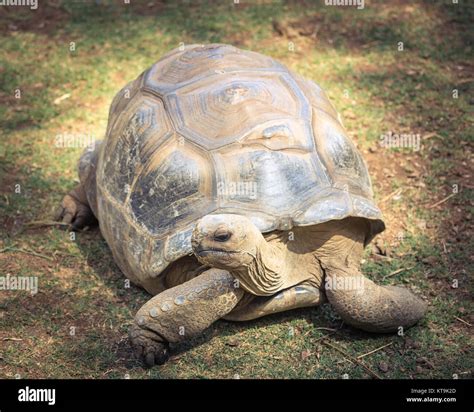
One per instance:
(74, 212)
(156, 356)
(149, 347)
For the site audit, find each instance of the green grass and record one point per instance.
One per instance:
(375, 87)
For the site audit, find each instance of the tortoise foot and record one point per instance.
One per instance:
(149, 347)
(75, 211)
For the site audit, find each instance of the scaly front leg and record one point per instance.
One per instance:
(179, 313)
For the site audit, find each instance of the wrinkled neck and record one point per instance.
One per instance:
(265, 274)
(276, 266)
(286, 259)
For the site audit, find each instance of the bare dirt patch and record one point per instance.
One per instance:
(46, 19)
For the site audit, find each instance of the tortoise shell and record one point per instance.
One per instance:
(215, 129)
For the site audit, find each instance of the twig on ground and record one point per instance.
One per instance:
(352, 359)
(468, 80)
(28, 252)
(373, 351)
(59, 99)
(430, 135)
(394, 193)
(330, 329)
(396, 272)
(441, 201)
(41, 223)
(323, 337)
(462, 320)
(370, 44)
(59, 252)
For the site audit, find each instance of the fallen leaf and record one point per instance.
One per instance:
(305, 354)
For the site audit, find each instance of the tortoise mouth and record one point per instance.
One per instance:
(201, 252)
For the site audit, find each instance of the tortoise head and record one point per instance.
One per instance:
(225, 241)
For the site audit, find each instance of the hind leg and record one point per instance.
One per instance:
(79, 207)
(75, 210)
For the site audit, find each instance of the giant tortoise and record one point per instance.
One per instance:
(227, 188)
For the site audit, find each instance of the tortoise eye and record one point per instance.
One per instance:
(222, 235)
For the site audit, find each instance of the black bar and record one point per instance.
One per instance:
(385, 394)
